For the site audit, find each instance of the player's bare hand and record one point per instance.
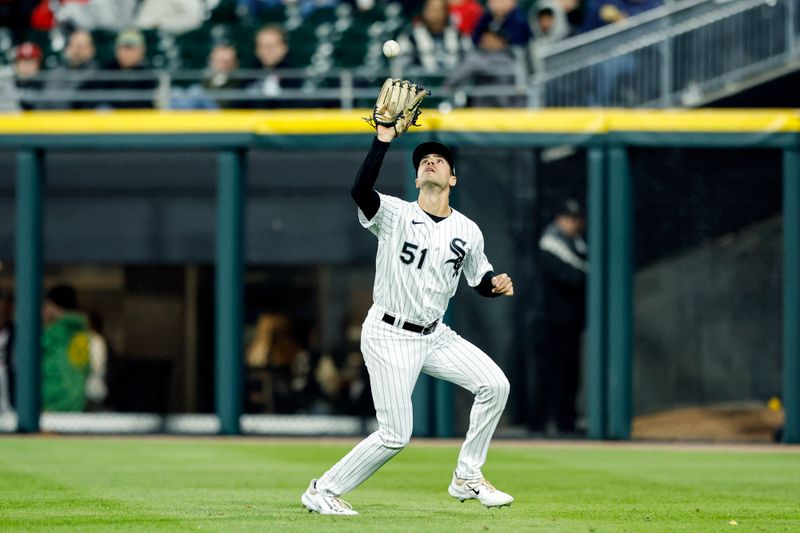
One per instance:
(503, 285)
(386, 134)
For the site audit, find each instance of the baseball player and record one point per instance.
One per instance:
(423, 248)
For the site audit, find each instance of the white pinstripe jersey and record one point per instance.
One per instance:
(419, 261)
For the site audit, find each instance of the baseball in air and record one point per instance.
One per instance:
(391, 48)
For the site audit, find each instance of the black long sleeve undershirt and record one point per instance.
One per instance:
(363, 191)
(485, 287)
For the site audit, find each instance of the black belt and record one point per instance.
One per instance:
(408, 326)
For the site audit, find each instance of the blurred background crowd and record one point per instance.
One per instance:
(77, 54)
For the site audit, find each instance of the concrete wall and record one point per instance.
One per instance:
(708, 322)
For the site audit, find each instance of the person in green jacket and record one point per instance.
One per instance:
(65, 351)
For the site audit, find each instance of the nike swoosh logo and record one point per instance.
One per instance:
(476, 491)
(417, 222)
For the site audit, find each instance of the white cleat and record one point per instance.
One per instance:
(480, 490)
(323, 502)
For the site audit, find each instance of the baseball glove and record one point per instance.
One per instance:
(397, 105)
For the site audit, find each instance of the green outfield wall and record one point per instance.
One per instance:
(607, 136)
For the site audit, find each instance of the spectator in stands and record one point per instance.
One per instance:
(27, 66)
(493, 62)
(97, 14)
(602, 12)
(65, 351)
(6, 351)
(560, 319)
(222, 62)
(176, 16)
(465, 14)
(80, 51)
(548, 22)
(504, 17)
(272, 51)
(68, 80)
(608, 74)
(432, 44)
(129, 59)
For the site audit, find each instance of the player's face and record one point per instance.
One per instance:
(434, 169)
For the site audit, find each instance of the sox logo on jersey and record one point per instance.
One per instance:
(457, 247)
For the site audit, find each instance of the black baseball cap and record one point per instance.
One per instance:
(571, 208)
(64, 297)
(433, 147)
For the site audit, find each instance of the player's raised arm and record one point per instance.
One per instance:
(363, 191)
(396, 110)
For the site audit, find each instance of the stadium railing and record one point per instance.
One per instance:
(182, 89)
(684, 53)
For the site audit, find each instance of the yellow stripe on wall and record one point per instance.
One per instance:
(520, 120)
(127, 122)
(332, 122)
(704, 120)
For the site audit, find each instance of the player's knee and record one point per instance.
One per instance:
(500, 389)
(395, 439)
(505, 387)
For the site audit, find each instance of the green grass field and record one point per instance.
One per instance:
(154, 484)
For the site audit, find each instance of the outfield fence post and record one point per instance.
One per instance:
(230, 289)
(620, 295)
(29, 265)
(597, 292)
(791, 294)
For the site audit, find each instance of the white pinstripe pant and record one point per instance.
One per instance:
(394, 358)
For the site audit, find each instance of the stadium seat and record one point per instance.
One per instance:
(226, 12)
(302, 44)
(104, 45)
(193, 47)
(321, 15)
(244, 41)
(351, 47)
(272, 15)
